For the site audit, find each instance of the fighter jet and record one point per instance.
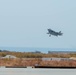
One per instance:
(52, 32)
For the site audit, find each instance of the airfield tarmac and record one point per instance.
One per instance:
(33, 71)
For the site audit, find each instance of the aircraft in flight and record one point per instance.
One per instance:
(52, 32)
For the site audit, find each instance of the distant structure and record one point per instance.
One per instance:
(61, 52)
(36, 52)
(52, 32)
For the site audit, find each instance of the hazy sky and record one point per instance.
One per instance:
(24, 23)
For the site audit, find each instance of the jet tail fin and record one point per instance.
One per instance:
(59, 31)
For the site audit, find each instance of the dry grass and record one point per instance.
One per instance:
(33, 61)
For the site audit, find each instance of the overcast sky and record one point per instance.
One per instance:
(24, 23)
